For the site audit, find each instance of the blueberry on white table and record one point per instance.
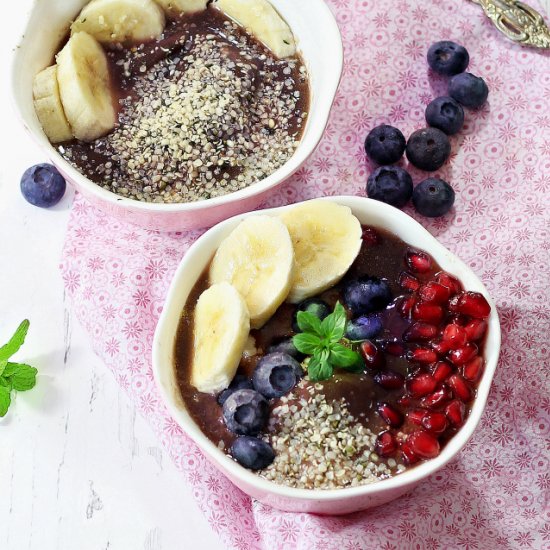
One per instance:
(448, 58)
(42, 185)
(469, 90)
(433, 197)
(385, 144)
(445, 114)
(390, 184)
(428, 149)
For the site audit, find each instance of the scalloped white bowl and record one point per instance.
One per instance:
(318, 41)
(336, 501)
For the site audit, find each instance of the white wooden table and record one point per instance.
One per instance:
(79, 469)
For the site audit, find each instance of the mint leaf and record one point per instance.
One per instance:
(306, 343)
(307, 322)
(21, 376)
(334, 325)
(341, 356)
(3, 364)
(15, 342)
(5, 400)
(358, 367)
(5, 383)
(319, 368)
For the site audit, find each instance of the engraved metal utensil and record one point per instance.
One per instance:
(517, 21)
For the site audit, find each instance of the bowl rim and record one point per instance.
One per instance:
(315, 124)
(407, 478)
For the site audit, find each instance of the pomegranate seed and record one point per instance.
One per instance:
(390, 415)
(374, 358)
(436, 399)
(452, 283)
(440, 347)
(428, 312)
(405, 306)
(434, 293)
(389, 380)
(409, 455)
(419, 331)
(394, 347)
(463, 355)
(416, 416)
(422, 355)
(404, 401)
(473, 369)
(370, 236)
(475, 329)
(455, 412)
(441, 371)
(419, 262)
(423, 444)
(460, 387)
(435, 422)
(386, 444)
(454, 336)
(421, 385)
(473, 304)
(408, 281)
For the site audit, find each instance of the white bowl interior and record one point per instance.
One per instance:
(319, 43)
(368, 212)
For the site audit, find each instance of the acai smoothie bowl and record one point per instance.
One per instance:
(177, 114)
(326, 356)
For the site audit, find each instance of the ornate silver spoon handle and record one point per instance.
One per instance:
(517, 21)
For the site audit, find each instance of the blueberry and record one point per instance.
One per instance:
(433, 197)
(245, 412)
(390, 184)
(385, 144)
(42, 185)
(448, 58)
(288, 347)
(364, 327)
(367, 294)
(252, 453)
(316, 307)
(445, 114)
(468, 89)
(276, 374)
(428, 149)
(240, 382)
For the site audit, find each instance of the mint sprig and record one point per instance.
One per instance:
(322, 340)
(14, 376)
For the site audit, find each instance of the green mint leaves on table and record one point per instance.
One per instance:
(322, 341)
(14, 376)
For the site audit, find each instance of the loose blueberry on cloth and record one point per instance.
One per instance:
(493, 495)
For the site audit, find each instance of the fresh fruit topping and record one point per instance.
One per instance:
(252, 453)
(364, 327)
(385, 145)
(475, 329)
(220, 331)
(261, 19)
(370, 236)
(176, 7)
(473, 369)
(366, 295)
(473, 304)
(245, 412)
(393, 347)
(405, 306)
(286, 346)
(455, 412)
(373, 356)
(448, 58)
(409, 456)
(441, 371)
(257, 258)
(404, 401)
(419, 331)
(440, 347)
(460, 387)
(42, 185)
(434, 422)
(85, 87)
(463, 354)
(428, 149)
(386, 444)
(418, 262)
(454, 336)
(423, 444)
(445, 114)
(436, 399)
(389, 415)
(422, 384)
(433, 197)
(390, 184)
(389, 379)
(434, 293)
(315, 306)
(430, 313)
(416, 415)
(408, 282)
(276, 374)
(469, 90)
(452, 283)
(240, 382)
(327, 238)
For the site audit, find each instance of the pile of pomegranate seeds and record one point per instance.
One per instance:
(443, 346)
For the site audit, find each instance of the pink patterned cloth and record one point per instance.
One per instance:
(495, 494)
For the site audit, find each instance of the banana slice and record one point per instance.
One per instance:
(85, 88)
(220, 332)
(182, 6)
(257, 258)
(261, 19)
(48, 106)
(326, 238)
(120, 20)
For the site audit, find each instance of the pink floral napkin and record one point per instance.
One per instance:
(495, 494)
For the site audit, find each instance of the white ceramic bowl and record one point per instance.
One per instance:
(337, 501)
(319, 42)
